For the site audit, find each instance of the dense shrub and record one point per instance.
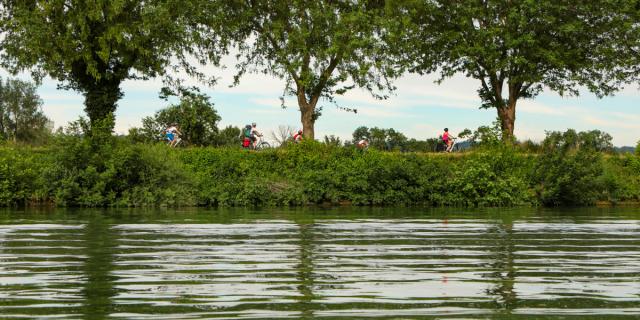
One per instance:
(313, 173)
(570, 178)
(492, 178)
(104, 171)
(622, 177)
(21, 176)
(571, 171)
(77, 171)
(117, 173)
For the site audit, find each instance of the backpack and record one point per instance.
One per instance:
(247, 131)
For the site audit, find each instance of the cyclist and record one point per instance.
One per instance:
(363, 143)
(447, 139)
(246, 136)
(254, 134)
(171, 134)
(297, 137)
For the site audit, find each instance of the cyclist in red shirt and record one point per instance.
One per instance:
(447, 139)
(297, 137)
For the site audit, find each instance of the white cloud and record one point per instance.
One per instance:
(606, 123)
(531, 106)
(380, 113)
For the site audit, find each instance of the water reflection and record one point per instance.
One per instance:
(41, 270)
(320, 268)
(99, 288)
(503, 266)
(306, 269)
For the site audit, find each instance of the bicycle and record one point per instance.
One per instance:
(179, 142)
(259, 145)
(442, 147)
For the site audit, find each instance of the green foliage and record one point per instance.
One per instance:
(594, 140)
(195, 116)
(382, 139)
(229, 136)
(491, 178)
(197, 120)
(571, 170)
(622, 178)
(21, 116)
(320, 48)
(416, 145)
(94, 170)
(94, 45)
(519, 48)
(529, 146)
(638, 148)
(332, 140)
(79, 171)
(21, 176)
(314, 173)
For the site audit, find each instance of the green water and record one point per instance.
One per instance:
(324, 264)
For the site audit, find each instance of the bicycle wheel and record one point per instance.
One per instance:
(263, 145)
(179, 143)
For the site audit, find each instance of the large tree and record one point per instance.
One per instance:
(320, 48)
(92, 46)
(517, 48)
(21, 116)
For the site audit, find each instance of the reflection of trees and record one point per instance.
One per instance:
(305, 269)
(504, 272)
(99, 289)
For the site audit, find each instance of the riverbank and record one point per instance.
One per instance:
(121, 174)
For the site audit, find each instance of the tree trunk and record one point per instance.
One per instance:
(507, 115)
(308, 121)
(15, 128)
(2, 132)
(307, 112)
(100, 100)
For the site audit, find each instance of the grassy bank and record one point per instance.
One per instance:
(78, 172)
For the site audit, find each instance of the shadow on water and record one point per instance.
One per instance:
(99, 289)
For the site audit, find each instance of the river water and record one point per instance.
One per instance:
(321, 264)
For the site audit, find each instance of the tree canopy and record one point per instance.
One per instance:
(517, 48)
(92, 46)
(320, 48)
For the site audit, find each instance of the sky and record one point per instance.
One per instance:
(419, 108)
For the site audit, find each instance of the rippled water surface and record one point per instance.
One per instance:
(343, 263)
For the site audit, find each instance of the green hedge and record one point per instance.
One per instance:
(76, 172)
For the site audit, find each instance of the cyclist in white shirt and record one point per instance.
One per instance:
(254, 134)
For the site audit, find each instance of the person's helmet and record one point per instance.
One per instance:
(253, 124)
(446, 129)
(364, 138)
